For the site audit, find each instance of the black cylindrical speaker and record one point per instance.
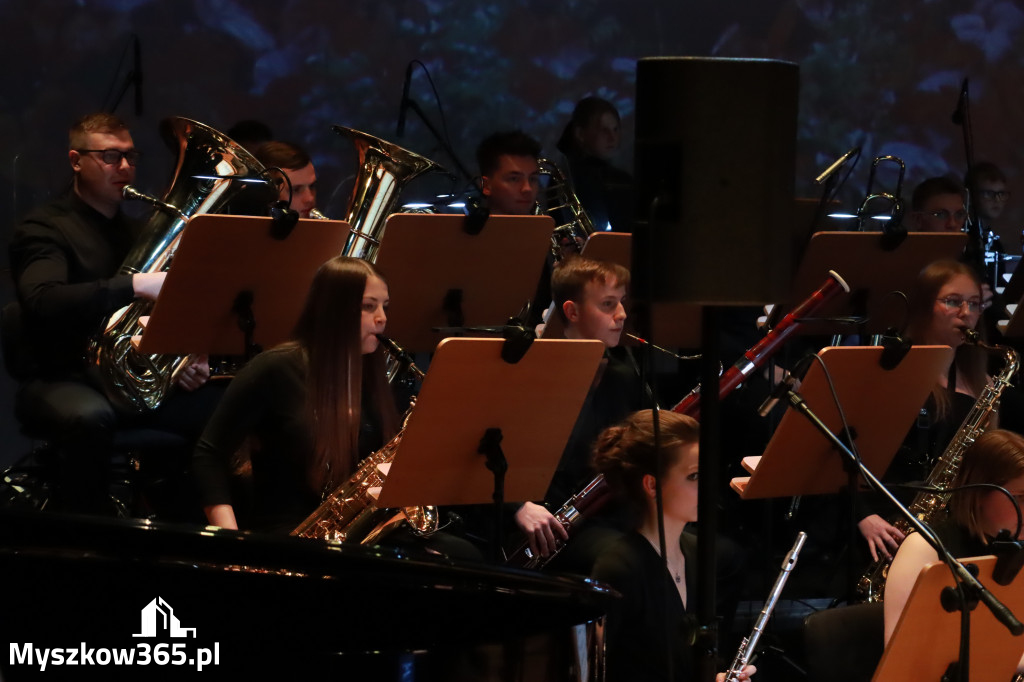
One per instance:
(715, 165)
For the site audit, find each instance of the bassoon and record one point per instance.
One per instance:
(596, 493)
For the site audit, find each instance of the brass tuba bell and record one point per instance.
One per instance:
(203, 182)
(383, 170)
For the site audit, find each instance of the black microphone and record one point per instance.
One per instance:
(137, 77)
(784, 386)
(960, 113)
(400, 129)
(836, 165)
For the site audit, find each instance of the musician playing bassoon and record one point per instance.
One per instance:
(65, 257)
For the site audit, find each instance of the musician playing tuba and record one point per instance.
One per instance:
(65, 257)
(295, 162)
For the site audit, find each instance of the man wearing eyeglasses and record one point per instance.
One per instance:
(65, 256)
(937, 205)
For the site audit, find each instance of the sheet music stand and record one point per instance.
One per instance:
(871, 271)
(222, 256)
(1014, 327)
(471, 391)
(927, 637)
(438, 273)
(673, 325)
(800, 461)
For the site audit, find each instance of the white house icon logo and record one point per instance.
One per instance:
(158, 619)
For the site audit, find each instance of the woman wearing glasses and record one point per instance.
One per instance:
(946, 303)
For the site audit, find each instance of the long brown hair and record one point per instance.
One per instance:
(329, 334)
(996, 457)
(970, 360)
(625, 453)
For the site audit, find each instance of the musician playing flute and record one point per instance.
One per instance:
(65, 256)
(653, 621)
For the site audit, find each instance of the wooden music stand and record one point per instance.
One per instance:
(438, 273)
(927, 637)
(871, 271)
(1014, 327)
(222, 256)
(880, 405)
(470, 389)
(673, 325)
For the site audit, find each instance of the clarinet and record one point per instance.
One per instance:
(749, 643)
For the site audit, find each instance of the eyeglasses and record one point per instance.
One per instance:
(943, 215)
(112, 157)
(957, 303)
(1001, 195)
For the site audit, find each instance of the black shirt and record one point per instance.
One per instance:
(65, 257)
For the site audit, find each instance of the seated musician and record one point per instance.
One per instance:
(297, 165)
(65, 259)
(946, 302)
(589, 142)
(974, 518)
(509, 172)
(314, 406)
(589, 300)
(937, 205)
(654, 615)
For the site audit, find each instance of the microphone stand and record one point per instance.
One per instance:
(968, 588)
(975, 252)
(415, 108)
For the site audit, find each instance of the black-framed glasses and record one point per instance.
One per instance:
(112, 157)
(1001, 194)
(956, 303)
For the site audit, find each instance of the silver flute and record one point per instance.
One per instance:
(750, 643)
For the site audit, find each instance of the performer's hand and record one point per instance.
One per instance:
(147, 284)
(883, 538)
(744, 674)
(986, 295)
(541, 528)
(195, 374)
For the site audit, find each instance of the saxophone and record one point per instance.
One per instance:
(350, 513)
(927, 506)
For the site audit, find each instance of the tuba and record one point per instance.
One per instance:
(383, 170)
(563, 204)
(927, 506)
(204, 182)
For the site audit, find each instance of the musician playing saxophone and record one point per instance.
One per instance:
(312, 407)
(65, 257)
(654, 615)
(296, 163)
(946, 301)
(589, 298)
(975, 516)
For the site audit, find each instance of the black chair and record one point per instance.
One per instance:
(844, 644)
(135, 453)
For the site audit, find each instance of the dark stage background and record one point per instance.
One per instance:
(884, 73)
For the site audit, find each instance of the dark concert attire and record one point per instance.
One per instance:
(267, 401)
(65, 258)
(650, 619)
(605, 192)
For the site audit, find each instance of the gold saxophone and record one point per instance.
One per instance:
(208, 164)
(927, 506)
(350, 513)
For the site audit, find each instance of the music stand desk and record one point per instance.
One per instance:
(880, 406)
(871, 271)
(221, 256)
(470, 389)
(428, 259)
(927, 637)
